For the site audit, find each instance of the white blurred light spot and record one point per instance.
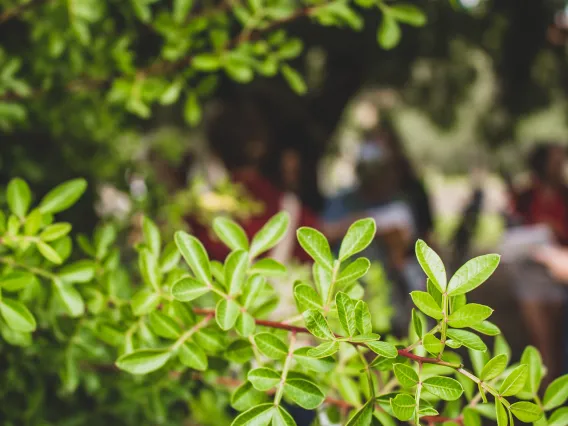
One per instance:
(470, 3)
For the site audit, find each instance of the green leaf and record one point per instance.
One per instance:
(487, 328)
(181, 10)
(501, 346)
(322, 279)
(192, 109)
(317, 324)
(71, 299)
(426, 303)
(17, 316)
(17, 280)
(432, 344)
(34, 222)
(235, 271)
(403, 406)
(316, 245)
(195, 255)
(210, 340)
(363, 318)
(144, 302)
(385, 349)
(268, 268)
(192, 356)
(365, 338)
(417, 324)
(471, 417)
(346, 312)
(170, 258)
(526, 411)
(281, 417)
(294, 79)
(164, 326)
(324, 350)
(270, 234)
(18, 196)
(306, 298)
(231, 233)
(206, 62)
(363, 416)
(445, 388)
(226, 313)
(531, 357)
(389, 33)
(171, 92)
(239, 351)
(48, 252)
(246, 397)
(556, 394)
(406, 375)
(515, 381)
(188, 289)
(432, 265)
(63, 196)
(408, 13)
(494, 367)
(271, 346)
(559, 417)
(261, 415)
(356, 269)
(358, 237)
(304, 393)
(245, 325)
(253, 286)
(501, 413)
(81, 271)
(434, 292)
(468, 315)
(474, 273)
(143, 361)
(151, 236)
(104, 237)
(467, 339)
(263, 379)
(148, 265)
(320, 365)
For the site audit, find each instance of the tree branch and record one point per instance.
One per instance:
(18, 10)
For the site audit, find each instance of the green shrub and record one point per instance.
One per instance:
(88, 338)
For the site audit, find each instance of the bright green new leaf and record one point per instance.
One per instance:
(322, 279)
(253, 287)
(104, 237)
(164, 326)
(19, 197)
(474, 273)
(268, 268)
(559, 417)
(144, 302)
(143, 361)
(17, 280)
(486, 327)
(282, 417)
(263, 379)
(261, 415)
(246, 396)
(192, 356)
(531, 357)
(270, 234)
(304, 393)
(501, 346)
(192, 109)
(188, 289)
(363, 338)
(469, 314)
(363, 318)
(81, 271)
(406, 375)
(346, 313)
(363, 417)
(152, 236)
(181, 10)
(324, 350)
(195, 255)
(34, 222)
(17, 316)
(501, 413)
(316, 245)
(426, 303)
(432, 265)
(320, 365)
(494, 367)
(63, 196)
(403, 406)
(389, 32)
(526, 411)
(170, 258)
(235, 271)
(55, 231)
(294, 79)
(417, 323)
(317, 324)
(226, 313)
(271, 346)
(467, 339)
(71, 299)
(358, 237)
(306, 298)
(231, 233)
(49, 252)
(471, 417)
(408, 14)
(355, 270)
(206, 61)
(432, 344)
(515, 381)
(445, 388)
(148, 265)
(245, 324)
(556, 394)
(385, 349)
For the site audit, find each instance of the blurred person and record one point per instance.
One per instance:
(542, 299)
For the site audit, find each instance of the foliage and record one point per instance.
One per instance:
(174, 339)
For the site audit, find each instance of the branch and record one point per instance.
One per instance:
(18, 10)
